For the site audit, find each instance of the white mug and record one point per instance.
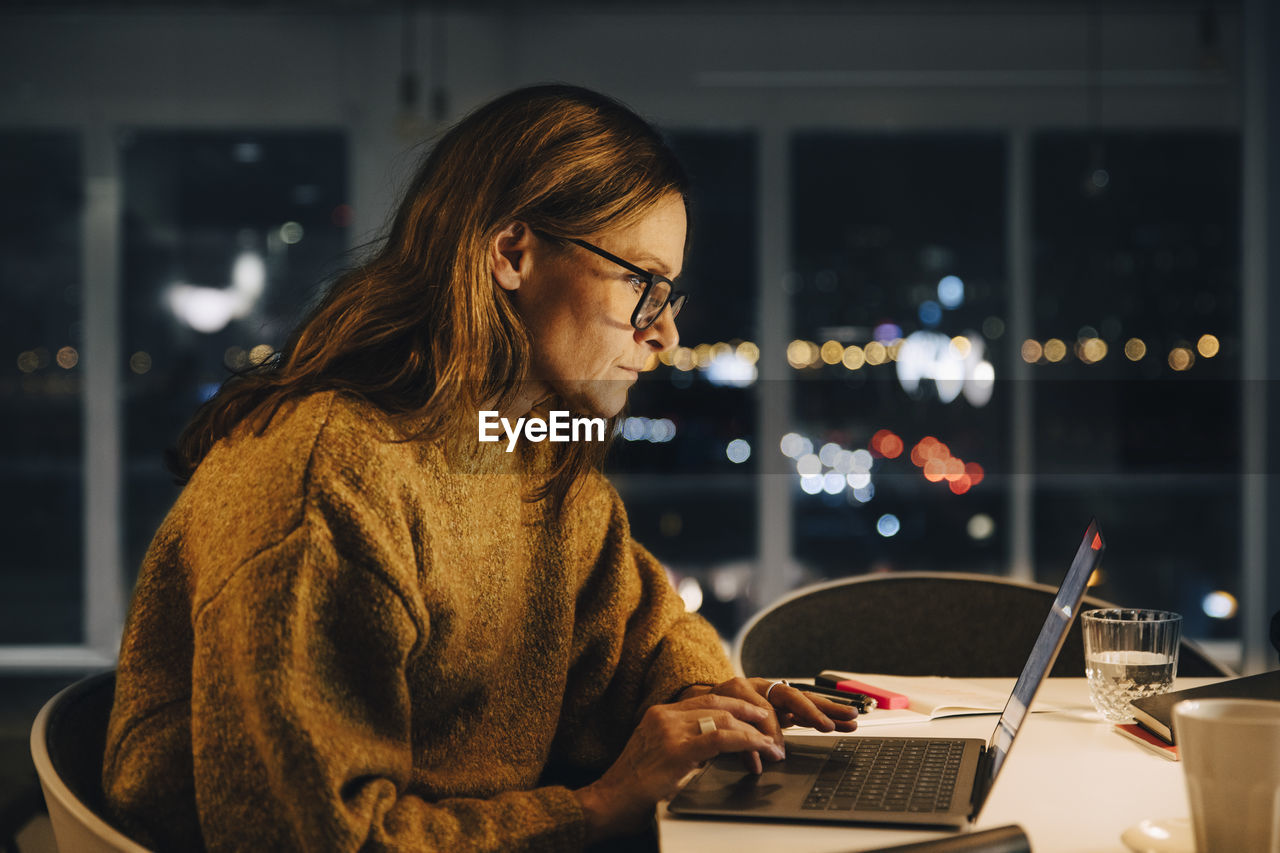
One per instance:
(1230, 751)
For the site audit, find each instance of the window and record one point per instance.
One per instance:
(1136, 357)
(228, 236)
(40, 389)
(898, 337)
(685, 461)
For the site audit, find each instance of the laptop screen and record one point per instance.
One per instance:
(1043, 654)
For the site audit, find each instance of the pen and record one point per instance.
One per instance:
(840, 697)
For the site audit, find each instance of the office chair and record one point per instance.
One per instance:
(917, 623)
(67, 742)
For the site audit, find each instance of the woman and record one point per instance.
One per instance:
(362, 628)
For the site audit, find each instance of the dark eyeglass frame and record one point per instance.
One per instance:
(675, 298)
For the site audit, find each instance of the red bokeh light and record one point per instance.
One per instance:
(885, 443)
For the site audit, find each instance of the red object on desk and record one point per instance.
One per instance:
(886, 699)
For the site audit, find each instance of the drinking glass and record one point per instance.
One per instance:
(1129, 654)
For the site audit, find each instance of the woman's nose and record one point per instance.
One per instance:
(662, 335)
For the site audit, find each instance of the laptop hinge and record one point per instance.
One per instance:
(981, 781)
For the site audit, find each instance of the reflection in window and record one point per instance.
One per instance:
(42, 515)
(899, 317)
(685, 460)
(1136, 358)
(228, 236)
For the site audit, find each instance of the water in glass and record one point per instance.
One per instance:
(1116, 678)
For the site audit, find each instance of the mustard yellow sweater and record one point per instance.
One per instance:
(339, 642)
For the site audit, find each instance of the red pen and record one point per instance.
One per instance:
(885, 699)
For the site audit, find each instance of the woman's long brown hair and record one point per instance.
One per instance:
(420, 329)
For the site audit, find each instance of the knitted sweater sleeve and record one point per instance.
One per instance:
(635, 644)
(301, 714)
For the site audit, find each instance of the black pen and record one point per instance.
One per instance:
(841, 697)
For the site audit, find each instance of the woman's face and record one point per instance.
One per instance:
(577, 306)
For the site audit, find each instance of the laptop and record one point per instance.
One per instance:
(920, 781)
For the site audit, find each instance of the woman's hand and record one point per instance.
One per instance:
(669, 743)
(790, 707)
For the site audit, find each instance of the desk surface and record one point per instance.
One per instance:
(1071, 782)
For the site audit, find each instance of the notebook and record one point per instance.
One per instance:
(1155, 713)
(921, 781)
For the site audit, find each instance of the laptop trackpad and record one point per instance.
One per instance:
(728, 786)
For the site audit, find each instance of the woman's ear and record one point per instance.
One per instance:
(508, 255)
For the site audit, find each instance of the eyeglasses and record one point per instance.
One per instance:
(659, 291)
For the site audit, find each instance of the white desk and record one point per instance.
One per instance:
(1070, 781)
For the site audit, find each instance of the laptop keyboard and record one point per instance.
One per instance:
(888, 775)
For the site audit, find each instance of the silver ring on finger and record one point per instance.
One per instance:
(706, 725)
(781, 681)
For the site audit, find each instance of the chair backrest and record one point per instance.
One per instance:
(917, 623)
(67, 742)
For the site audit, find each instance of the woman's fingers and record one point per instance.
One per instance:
(731, 735)
(751, 690)
(743, 709)
(845, 717)
(670, 741)
(810, 709)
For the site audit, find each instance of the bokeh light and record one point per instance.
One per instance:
(980, 527)
(801, 354)
(930, 313)
(1220, 604)
(291, 232)
(1181, 358)
(887, 444)
(829, 453)
(951, 292)
(259, 354)
(1092, 350)
(794, 445)
(809, 465)
(691, 592)
(853, 357)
